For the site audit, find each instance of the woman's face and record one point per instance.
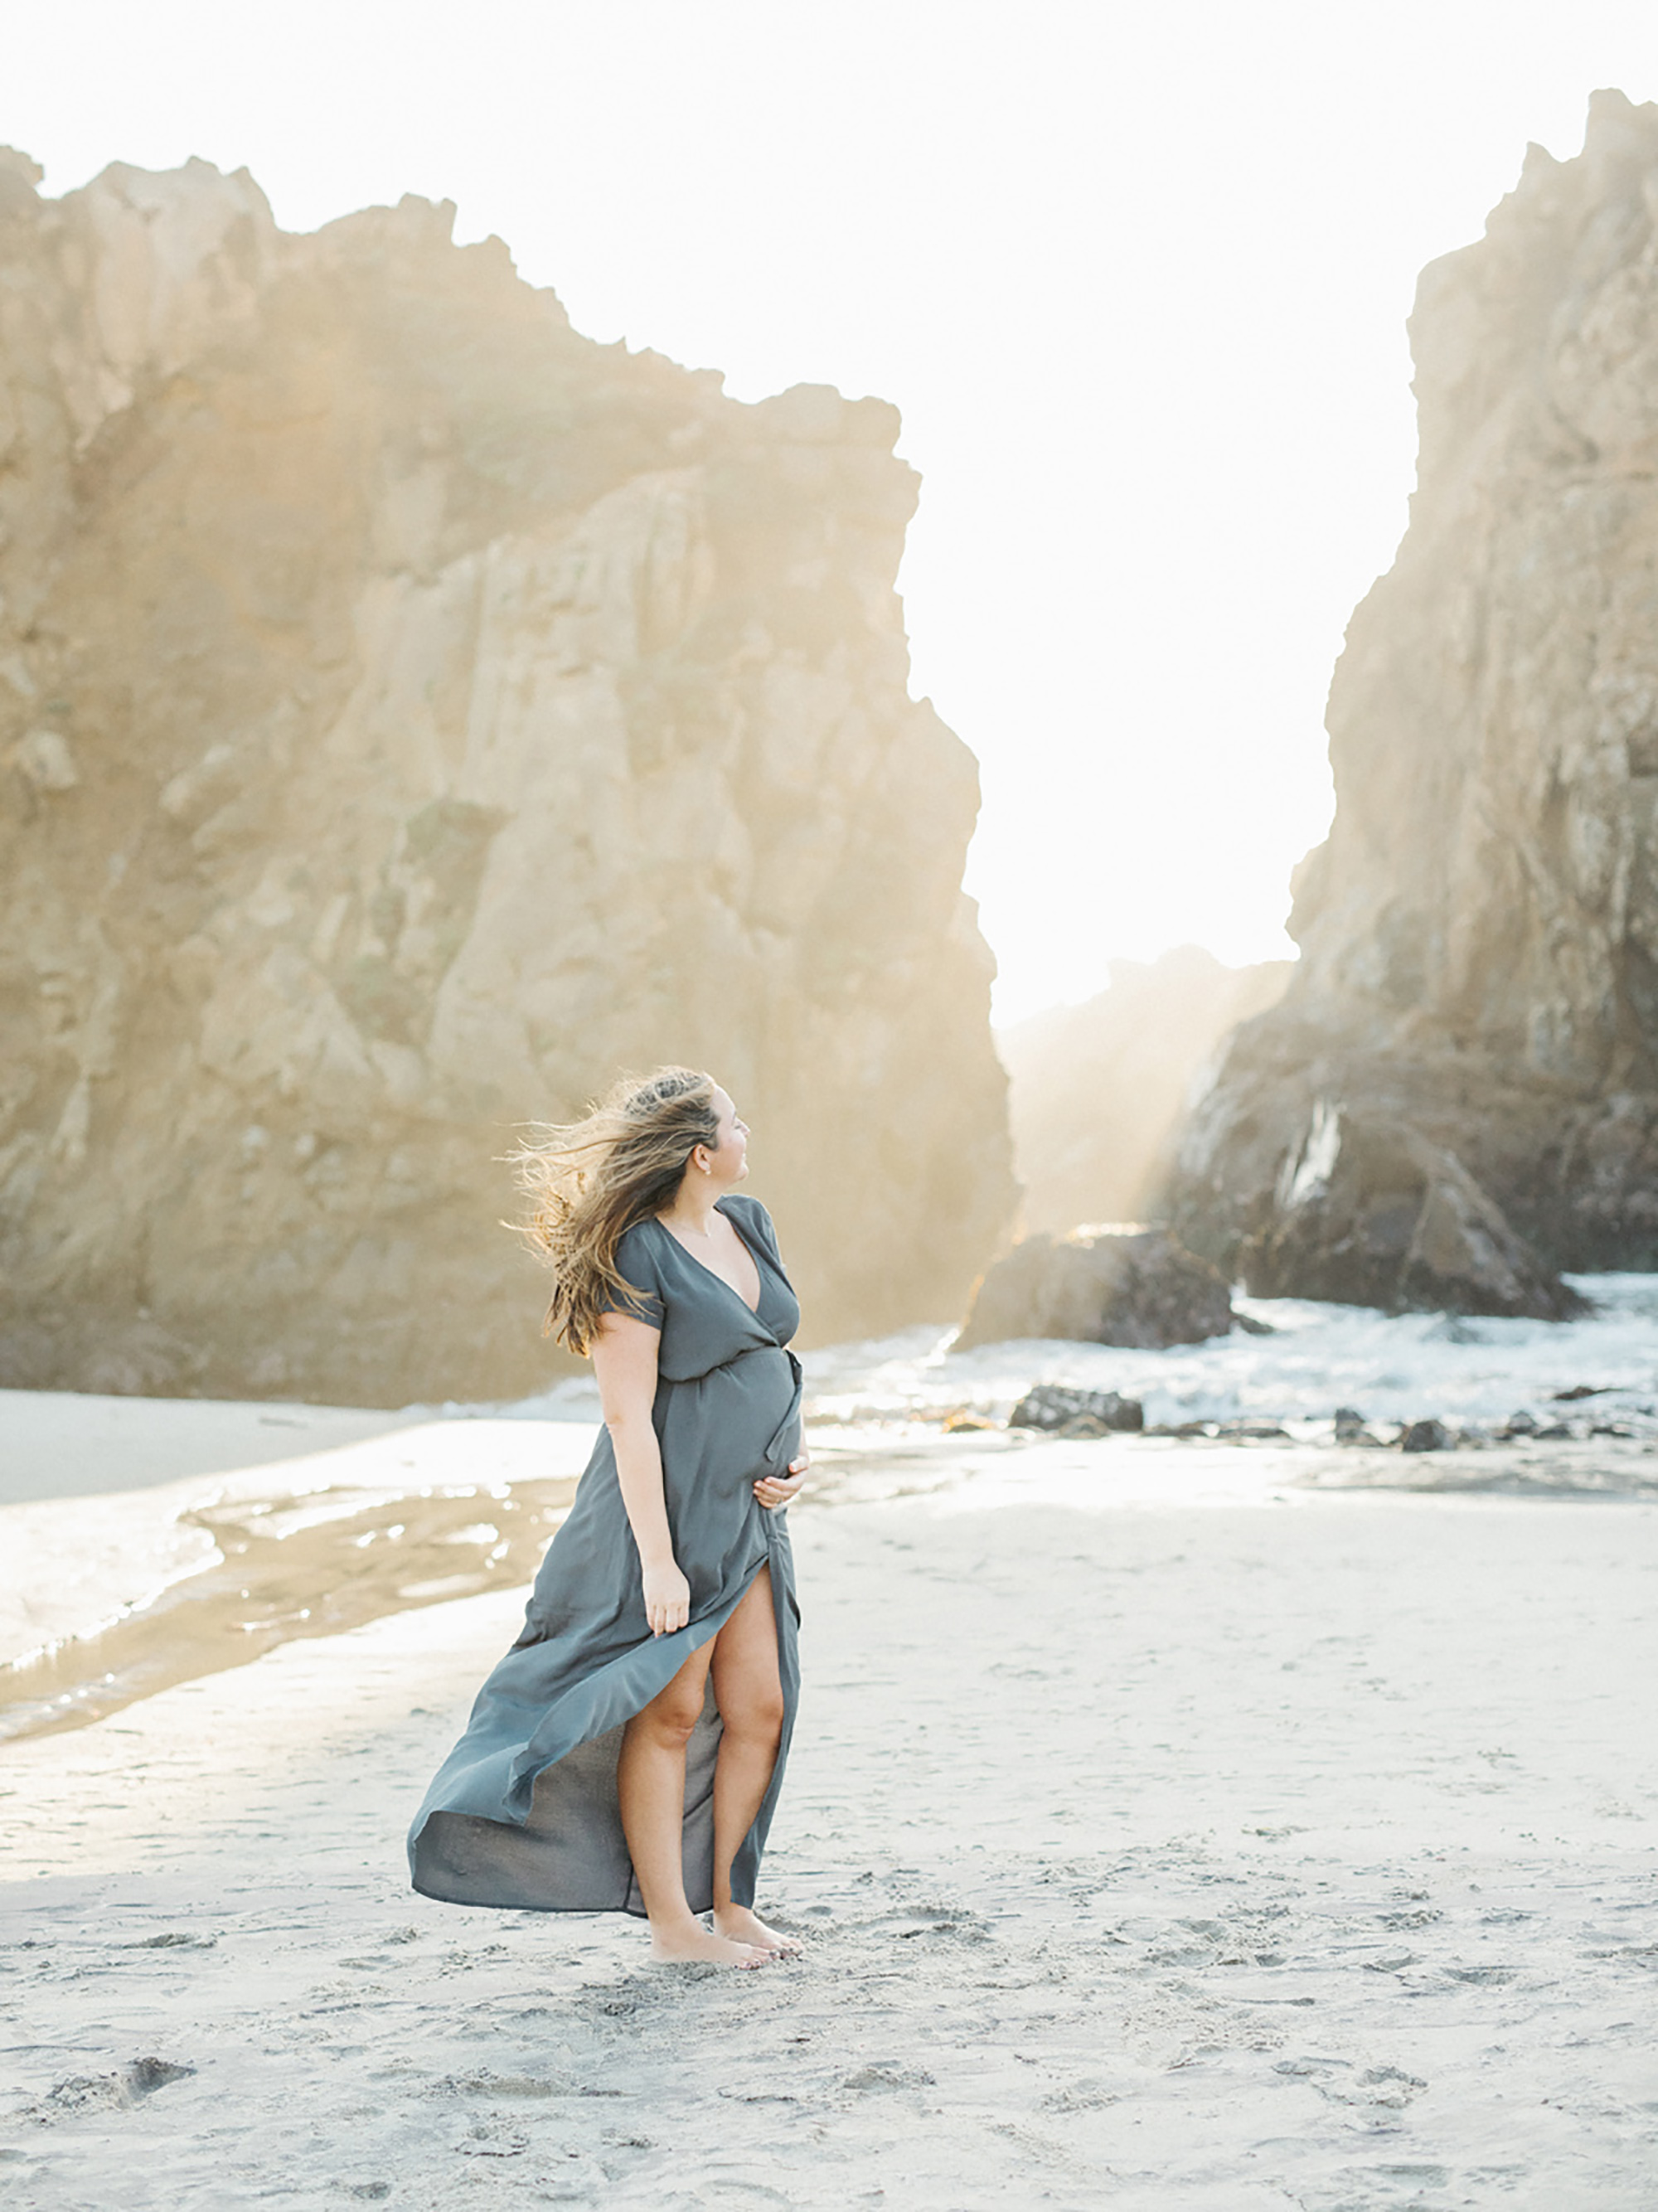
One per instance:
(728, 1160)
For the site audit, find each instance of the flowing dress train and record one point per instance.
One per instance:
(524, 1811)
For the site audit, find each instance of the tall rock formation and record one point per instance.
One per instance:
(1480, 936)
(410, 713)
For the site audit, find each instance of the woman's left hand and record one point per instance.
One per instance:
(773, 1490)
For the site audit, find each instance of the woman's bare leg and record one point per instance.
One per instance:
(650, 1777)
(750, 1695)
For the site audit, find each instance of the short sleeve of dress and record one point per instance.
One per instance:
(758, 1223)
(637, 1266)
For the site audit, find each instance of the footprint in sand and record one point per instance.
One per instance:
(85, 2093)
(888, 2077)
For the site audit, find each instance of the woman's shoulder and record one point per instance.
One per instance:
(752, 1215)
(637, 1240)
(636, 1264)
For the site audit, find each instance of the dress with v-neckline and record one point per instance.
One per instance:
(756, 1255)
(524, 1811)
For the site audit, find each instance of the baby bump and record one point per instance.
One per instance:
(723, 1430)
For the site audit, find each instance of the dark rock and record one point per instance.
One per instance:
(1367, 1211)
(1253, 1432)
(1425, 1436)
(1139, 1287)
(1054, 1406)
(1580, 1390)
(1249, 1326)
(1518, 1424)
(1347, 1419)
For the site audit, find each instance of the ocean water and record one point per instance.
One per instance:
(106, 1598)
(1391, 1368)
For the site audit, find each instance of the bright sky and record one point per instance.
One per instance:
(1136, 274)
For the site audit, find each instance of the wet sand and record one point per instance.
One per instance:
(109, 1599)
(66, 1444)
(1296, 1851)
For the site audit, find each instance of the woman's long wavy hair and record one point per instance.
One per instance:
(588, 1181)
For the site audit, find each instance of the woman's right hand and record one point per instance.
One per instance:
(667, 1599)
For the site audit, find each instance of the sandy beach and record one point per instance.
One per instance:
(1164, 1832)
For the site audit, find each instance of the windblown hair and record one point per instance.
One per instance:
(588, 1181)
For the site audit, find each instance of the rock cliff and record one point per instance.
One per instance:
(1479, 978)
(410, 713)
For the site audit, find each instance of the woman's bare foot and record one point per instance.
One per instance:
(740, 1925)
(692, 1945)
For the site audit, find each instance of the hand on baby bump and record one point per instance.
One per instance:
(773, 1489)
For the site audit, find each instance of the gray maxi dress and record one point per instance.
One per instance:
(524, 1811)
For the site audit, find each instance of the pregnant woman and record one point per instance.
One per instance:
(627, 1752)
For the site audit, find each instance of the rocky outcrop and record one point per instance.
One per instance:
(1096, 1091)
(1136, 1288)
(1368, 1212)
(1479, 934)
(410, 713)
(1056, 1407)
